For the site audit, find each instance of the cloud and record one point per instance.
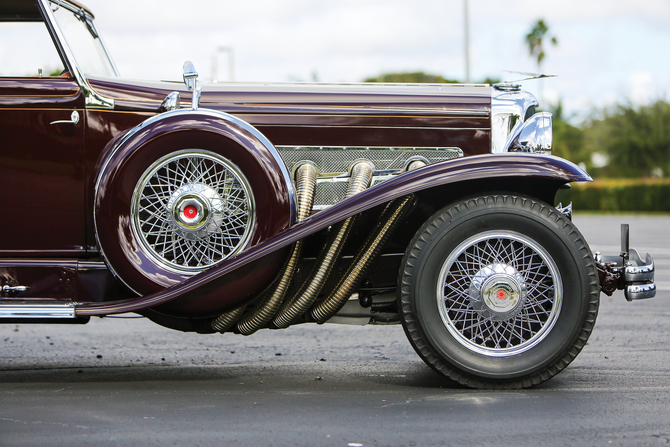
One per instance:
(603, 44)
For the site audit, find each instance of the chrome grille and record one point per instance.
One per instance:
(333, 164)
(338, 160)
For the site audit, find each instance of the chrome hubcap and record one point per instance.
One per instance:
(197, 211)
(497, 292)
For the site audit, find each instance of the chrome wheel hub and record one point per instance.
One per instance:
(499, 293)
(197, 211)
(191, 210)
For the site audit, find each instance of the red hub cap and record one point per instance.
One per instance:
(190, 212)
(501, 294)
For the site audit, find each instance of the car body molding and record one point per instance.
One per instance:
(499, 166)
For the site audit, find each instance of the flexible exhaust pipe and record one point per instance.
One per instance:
(224, 321)
(261, 315)
(263, 312)
(300, 303)
(392, 215)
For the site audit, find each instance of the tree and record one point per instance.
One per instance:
(535, 41)
(636, 141)
(411, 78)
(419, 77)
(568, 140)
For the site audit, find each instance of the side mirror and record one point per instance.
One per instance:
(190, 75)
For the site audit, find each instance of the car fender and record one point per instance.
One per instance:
(209, 285)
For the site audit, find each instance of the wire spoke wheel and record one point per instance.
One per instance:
(191, 210)
(499, 293)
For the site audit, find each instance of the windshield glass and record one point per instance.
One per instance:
(82, 38)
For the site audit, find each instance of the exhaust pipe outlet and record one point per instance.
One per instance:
(300, 303)
(392, 215)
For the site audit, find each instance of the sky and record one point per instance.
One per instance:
(608, 51)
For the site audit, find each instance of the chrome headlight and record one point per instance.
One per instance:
(511, 107)
(534, 135)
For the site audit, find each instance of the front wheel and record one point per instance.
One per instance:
(498, 291)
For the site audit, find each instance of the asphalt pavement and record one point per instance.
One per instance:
(129, 382)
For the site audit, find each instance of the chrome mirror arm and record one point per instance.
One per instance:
(191, 81)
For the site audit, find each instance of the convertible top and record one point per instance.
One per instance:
(28, 11)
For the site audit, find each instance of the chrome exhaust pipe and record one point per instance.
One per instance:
(224, 321)
(300, 303)
(261, 315)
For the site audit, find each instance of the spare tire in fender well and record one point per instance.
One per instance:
(230, 156)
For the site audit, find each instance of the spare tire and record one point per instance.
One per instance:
(183, 192)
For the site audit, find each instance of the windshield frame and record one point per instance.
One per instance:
(93, 99)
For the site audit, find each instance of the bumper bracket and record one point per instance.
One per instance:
(626, 271)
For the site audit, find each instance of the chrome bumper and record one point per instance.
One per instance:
(626, 271)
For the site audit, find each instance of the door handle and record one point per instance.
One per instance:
(8, 289)
(74, 119)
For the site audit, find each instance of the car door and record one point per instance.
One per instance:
(42, 128)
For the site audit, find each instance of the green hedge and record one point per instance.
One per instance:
(618, 195)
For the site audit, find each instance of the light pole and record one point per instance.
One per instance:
(215, 59)
(467, 43)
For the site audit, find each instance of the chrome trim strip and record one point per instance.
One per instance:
(34, 310)
(7, 289)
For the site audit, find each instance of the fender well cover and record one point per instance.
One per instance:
(167, 133)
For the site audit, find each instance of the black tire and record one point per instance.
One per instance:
(498, 291)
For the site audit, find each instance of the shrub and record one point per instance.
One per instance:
(619, 195)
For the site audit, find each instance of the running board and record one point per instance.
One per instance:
(38, 312)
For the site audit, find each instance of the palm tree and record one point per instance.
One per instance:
(535, 39)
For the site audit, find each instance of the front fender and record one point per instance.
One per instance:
(208, 285)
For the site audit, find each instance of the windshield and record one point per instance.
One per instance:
(83, 39)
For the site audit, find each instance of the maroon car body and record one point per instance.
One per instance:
(216, 207)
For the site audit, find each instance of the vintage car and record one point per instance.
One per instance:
(216, 207)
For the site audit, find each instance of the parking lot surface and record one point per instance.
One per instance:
(129, 382)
